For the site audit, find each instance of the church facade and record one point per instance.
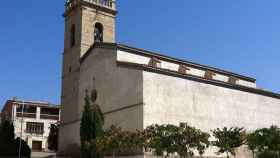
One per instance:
(137, 88)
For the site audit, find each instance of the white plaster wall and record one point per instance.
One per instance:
(173, 100)
(33, 137)
(169, 66)
(221, 78)
(246, 83)
(133, 58)
(196, 72)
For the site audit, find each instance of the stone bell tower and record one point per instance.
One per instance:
(86, 22)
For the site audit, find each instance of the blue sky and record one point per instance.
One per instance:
(242, 36)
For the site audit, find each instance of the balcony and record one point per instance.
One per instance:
(49, 117)
(26, 115)
(28, 131)
(109, 4)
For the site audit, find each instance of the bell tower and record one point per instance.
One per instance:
(89, 21)
(86, 22)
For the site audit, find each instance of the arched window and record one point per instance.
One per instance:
(72, 35)
(98, 32)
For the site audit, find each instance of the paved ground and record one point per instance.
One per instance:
(42, 155)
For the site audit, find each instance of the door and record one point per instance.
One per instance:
(36, 145)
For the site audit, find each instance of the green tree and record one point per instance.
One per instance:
(159, 139)
(189, 139)
(165, 140)
(265, 142)
(7, 136)
(91, 126)
(25, 149)
(228, 140)
(252, 140)
(7, 131)
(53, 137)
(271, 143)
(8, 145)
(202, 142)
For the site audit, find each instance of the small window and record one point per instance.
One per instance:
(72, 35)
(98, 32)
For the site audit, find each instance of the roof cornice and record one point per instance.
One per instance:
(201, 79)
(116, 46)
(180, 61)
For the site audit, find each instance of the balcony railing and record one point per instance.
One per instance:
(26, 115)
(36, 132)
(49, 117)
(103, 3)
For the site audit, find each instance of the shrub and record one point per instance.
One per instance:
(25, 149)
(267, 154)
(53, 137)
(8, 145)
(91, 126)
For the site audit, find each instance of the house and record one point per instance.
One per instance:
(32, 121)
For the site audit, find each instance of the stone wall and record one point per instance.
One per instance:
(119, 88)
(84, 17)
(120, 94)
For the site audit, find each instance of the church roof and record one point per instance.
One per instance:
(151, 53)
(142, 52)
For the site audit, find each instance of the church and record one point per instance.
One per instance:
(137, 88)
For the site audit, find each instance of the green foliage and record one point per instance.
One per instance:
(7, 134)
(252, 141)
(227, 140)
(116, 141)
(184, 140)
(160, 139)
(165, 140)
(268, 154)
(8, 145)
(53, 137)
(189, 139)
(265, 142)
(25, 149)
(91, 127)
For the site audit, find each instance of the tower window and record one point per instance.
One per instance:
(72, 36)
(98, 32)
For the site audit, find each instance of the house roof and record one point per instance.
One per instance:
(32, 103)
